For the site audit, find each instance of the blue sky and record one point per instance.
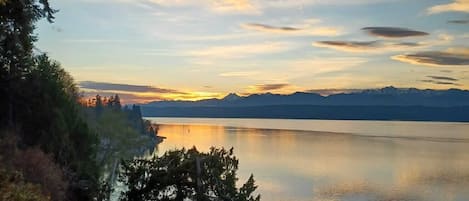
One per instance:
(193, 49)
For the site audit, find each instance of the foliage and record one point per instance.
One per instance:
(17, 19)
(186, 174)
(30, 173)
(121, 131)
(53, 121)
(39, 168)
(48, 116)
(14, 188)
(39, 99)
(118, 138)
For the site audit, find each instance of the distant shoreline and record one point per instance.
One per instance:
(317, 112)
(377, 120)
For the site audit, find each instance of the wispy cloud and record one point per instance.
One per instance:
(126, 98)
(141, 93)
(317, 66)
(303, 3)
(458, 21)
(327, 92)
(307, 30)
(440, 82)
(218, 6)
(243, 6)
(269, 87)
(241, 51)
(229, 6)
(239, 73)
(455, 6)
(450, 57)
(375, 47)
(106, 86)
(393, 32)
(442, 78)
(205, 38)
(93, 41)
(269, 28)
(281, 88)
(288, 70)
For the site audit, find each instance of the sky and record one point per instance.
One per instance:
(147, 50)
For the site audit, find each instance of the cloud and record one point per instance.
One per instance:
(126, 98)
(327, 92)
(269, 87)
(443, 39)
(268, 28)
(218, 6)
(300, 4)
(229, 6)
(440, 82)
(317, 66)
(250, 7)
(93, 41)
(239, 74)
(458, 21)
(140, 93)
(241, 51)
(318, 31)
(455, 6)
(393, 32)
(204, 38)
(105, 86)
(366, 46)
(450, 57)
(305, 29)
(284, 71)
(442, 78)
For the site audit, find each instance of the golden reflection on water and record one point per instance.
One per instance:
(306, 165)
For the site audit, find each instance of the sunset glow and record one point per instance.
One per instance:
(206, 49)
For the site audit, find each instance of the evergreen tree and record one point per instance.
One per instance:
(186, 175)
(17, 19)
(99, 106)
(117, 102)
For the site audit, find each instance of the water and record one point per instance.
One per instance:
(323, 160)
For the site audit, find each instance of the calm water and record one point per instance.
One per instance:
(325, 160)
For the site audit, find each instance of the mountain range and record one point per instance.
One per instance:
(388, 96)
(387, 103)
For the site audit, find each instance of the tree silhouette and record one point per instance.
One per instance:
(186, 175)
(16, 49)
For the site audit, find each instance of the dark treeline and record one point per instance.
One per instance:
(54, 145)
(46, 144)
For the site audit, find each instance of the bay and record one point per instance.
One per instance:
(336, 160)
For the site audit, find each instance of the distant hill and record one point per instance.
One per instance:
(388, 103)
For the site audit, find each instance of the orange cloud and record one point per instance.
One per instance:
(456, 6)
(140, 93)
